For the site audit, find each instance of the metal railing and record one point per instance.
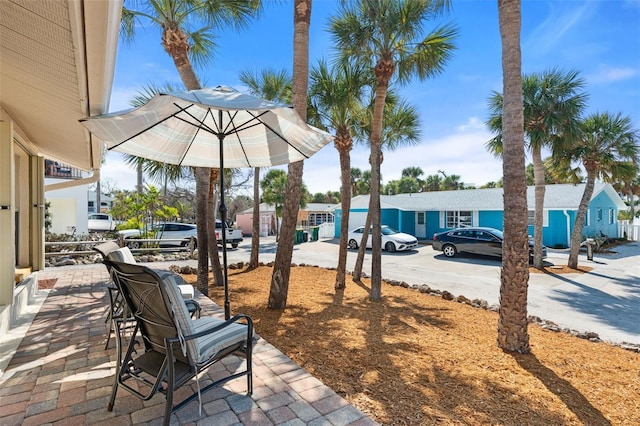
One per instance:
(137, 246)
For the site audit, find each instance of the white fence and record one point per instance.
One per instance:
(628, 230)
(327, 230)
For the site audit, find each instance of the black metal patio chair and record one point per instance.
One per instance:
(117, 308)
(175, 348)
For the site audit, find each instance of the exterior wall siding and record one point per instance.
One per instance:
(490, 219)
(599, 216)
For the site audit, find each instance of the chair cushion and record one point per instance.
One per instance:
(213, 343)
(123, 254)
(201, 348)
(105, 248)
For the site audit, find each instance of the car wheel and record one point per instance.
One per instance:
(449, 250)
(234, 245)
(133, 244)
(390, 247)
(353, 244)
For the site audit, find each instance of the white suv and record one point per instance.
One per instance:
(176, 234)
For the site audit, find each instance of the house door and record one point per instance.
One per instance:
(421, 227)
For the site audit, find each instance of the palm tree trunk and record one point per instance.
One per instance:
(202, 193)
(357, 270)
(282, 265)
(216, 269)
(345, 173)
(375, 160)
(139, 178)
(576, 233)
(512, 323)
(255, 226)
(538, 174)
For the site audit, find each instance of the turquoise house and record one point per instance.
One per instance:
(424, 214)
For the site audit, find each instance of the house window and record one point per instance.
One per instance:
(611, 218)
(316, 219)
(599, 214)
(531, 217)
(458, 219)
(420, 218)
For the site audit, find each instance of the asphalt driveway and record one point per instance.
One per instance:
(605, 301)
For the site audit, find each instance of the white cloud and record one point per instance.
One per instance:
(558, 22)
(462, 153)
(611, 74)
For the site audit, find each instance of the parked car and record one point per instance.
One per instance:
(392, 239)
(179, 234)
(483, 241)
(100, 222)
(233, 236)
(176, 234)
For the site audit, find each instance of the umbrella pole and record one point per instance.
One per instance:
(223, 232)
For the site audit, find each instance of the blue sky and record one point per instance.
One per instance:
(598, 38)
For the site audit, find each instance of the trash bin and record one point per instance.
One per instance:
(305, 236)
(299, 236)
(314, 233)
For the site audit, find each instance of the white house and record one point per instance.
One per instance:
(58, 59)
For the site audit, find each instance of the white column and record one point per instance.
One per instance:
(36, 183)
(7, 219)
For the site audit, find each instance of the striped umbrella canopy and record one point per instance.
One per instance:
(218, 127)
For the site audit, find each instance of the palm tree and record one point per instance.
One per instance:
(414, 172)
(186, 47)
(607, 150)
(553, 102)
(282, 265)
(513, 333)
(337, 96)
(387, 35)
(433, 183)
(400, 127)
(273, 86)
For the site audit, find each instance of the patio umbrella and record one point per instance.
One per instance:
(215, 128)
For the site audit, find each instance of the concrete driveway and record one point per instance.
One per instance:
(605, 301)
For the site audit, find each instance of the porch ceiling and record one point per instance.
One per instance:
(56, 66)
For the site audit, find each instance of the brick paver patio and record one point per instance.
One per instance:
(62, 375)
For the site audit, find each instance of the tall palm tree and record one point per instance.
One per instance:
(388, 36)
(187, 47)
(400, 127)
(513, 333)
(337, 95)
(553, 102)
(274, 86)
(607, 150)
(282, 266)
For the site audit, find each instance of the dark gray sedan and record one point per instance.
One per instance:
(482, 241)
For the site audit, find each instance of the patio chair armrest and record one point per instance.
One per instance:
(194, 308)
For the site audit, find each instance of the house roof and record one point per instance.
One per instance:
(311, 207)
(557, 197)
(58, 60)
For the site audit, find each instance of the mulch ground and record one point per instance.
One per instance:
(416, 359)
